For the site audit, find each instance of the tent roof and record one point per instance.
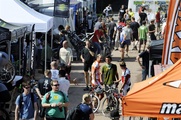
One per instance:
(4, 34)
(158, 96)
(16, 31)
(16, 12)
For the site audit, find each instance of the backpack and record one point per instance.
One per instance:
(75, 114)
(21, 102)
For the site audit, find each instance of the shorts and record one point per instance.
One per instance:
(157, 24)
(87, 66)
(135, 36)
(68, 69)
(126, 42)
(142, 41)
(27, 119)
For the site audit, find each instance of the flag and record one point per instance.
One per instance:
(172, 41)
(61, 8)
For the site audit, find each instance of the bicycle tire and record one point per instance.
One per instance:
(7, 72)
(112, 106)
(5, 115)
(95, 103)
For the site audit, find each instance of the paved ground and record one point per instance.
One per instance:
(76, 91)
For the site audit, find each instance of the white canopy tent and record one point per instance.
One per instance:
(16, 12)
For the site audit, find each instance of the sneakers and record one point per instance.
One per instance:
(120, 60)
(127, 55)
(86, 89)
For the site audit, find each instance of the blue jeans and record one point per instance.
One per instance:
(97, 46)
(144, 74)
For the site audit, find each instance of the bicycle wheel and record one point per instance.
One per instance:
(95, 103)
(7, 72)
(4, 115)
(109, 104)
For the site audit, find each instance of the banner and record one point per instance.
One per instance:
(61, 8)
(172, 41)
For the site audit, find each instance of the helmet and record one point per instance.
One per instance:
(99, 90)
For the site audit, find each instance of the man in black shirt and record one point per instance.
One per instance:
(143, 16)
(145, 62)
(134, 26)
(87, 56)
(151, 30)
(43, 86)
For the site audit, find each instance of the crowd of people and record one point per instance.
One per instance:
(51, 98)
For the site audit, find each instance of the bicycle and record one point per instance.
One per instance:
(7, 70)
(111, 101)
(94, 99)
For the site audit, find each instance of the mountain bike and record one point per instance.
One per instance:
(95, 99)
(110, 102)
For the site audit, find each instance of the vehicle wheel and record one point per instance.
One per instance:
(108, 106)
(7, 72)
(95, 103)
(4, 115)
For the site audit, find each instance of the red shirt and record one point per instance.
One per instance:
(157, 17)
(97, 33)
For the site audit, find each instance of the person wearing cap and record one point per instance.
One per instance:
(151, 30)
(145, 62)
(125, 78)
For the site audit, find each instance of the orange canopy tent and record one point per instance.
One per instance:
(159, 96)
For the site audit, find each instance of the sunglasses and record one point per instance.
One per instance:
(26, 87)
(56, 85)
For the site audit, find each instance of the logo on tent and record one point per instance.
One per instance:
(175, 84)
(170, 108)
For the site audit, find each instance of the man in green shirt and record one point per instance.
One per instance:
(109, 72)
(54, 102)
(142, 33)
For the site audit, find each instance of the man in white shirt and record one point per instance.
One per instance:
(64, 84)
(65, 55)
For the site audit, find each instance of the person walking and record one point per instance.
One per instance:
(151, 30)
(126, 40)
(65, 55)
(143, 16)
(43, 86)
(145, 62)
(87, 56)
(111, 30)
(26, 104)
(64, 84)
(134, 26)
(54, 102)
(142, 31)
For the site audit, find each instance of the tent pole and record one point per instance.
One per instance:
(45, 51)
(51, 40)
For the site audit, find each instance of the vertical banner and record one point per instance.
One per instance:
(61, 8)
(172, 41)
